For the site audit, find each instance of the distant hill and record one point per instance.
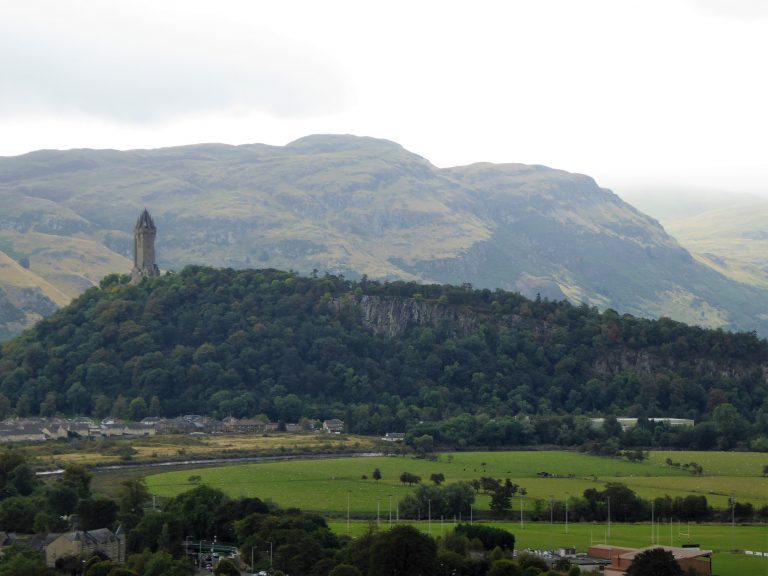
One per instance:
(732, 240)
(381, 356)
(360, 206)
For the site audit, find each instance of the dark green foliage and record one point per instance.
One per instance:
(225, 567)
(163, 564)
(17, 514)
(490, 537)
(268, 342)
(504, 567)
(409, 478)
(527, 561)
(403, 550)
(131, 497)
(194, 510)
(16, 477)
(452, 500)
(298, 540)
(655, 562)
(97, 513)
(345, 570)
(18, 560)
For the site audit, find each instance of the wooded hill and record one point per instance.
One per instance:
(381, 356)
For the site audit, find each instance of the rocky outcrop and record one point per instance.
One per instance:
(393, 316)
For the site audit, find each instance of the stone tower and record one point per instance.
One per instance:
(144, 233)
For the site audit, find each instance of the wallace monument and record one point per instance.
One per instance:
(144, 233)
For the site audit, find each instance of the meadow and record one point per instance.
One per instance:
(328, 485)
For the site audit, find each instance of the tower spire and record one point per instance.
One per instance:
(144, 265)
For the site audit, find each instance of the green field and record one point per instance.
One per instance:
(325, 485)
(542, 535)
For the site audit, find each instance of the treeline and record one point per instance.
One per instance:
(265, 342)
(624, 505)
(726, 428)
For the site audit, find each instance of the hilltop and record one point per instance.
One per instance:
(359, 207)
(382, 357)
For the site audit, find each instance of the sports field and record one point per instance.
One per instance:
(545, 536)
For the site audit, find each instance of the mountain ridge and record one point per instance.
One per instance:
(363, 206)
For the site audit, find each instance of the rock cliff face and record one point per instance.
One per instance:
(392, 317)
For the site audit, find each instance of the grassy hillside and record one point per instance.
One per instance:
(732, 240)
(361, 206)
(25, 297)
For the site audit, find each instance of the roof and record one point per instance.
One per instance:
(99, 536)
(678, 553)
(145, 221)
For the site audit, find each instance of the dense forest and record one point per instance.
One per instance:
(477, 367)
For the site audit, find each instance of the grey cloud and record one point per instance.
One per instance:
(144, 71)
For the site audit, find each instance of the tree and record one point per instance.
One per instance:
(655, 562)
(96, 513)
(424, 444)
(438, 478)
(403, 550)
(504, 567)
(409, 478)
(226, 567)
(48, 406)
(18, 560)
(163, 564)
(501, 496)
(345, 570)
(131, 497)
(137, 409)
(155, 409)
(377, 474)
(78, 398)
(78, 478)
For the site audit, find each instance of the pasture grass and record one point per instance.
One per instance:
(324, 485)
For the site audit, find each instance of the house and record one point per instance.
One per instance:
(139, 429)
(22, 432)
(243, 425)
(394, 437)
(621, 558)
(83, 543)
(629, 423)
(333, 426)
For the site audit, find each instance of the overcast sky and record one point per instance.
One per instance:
(656, 92)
